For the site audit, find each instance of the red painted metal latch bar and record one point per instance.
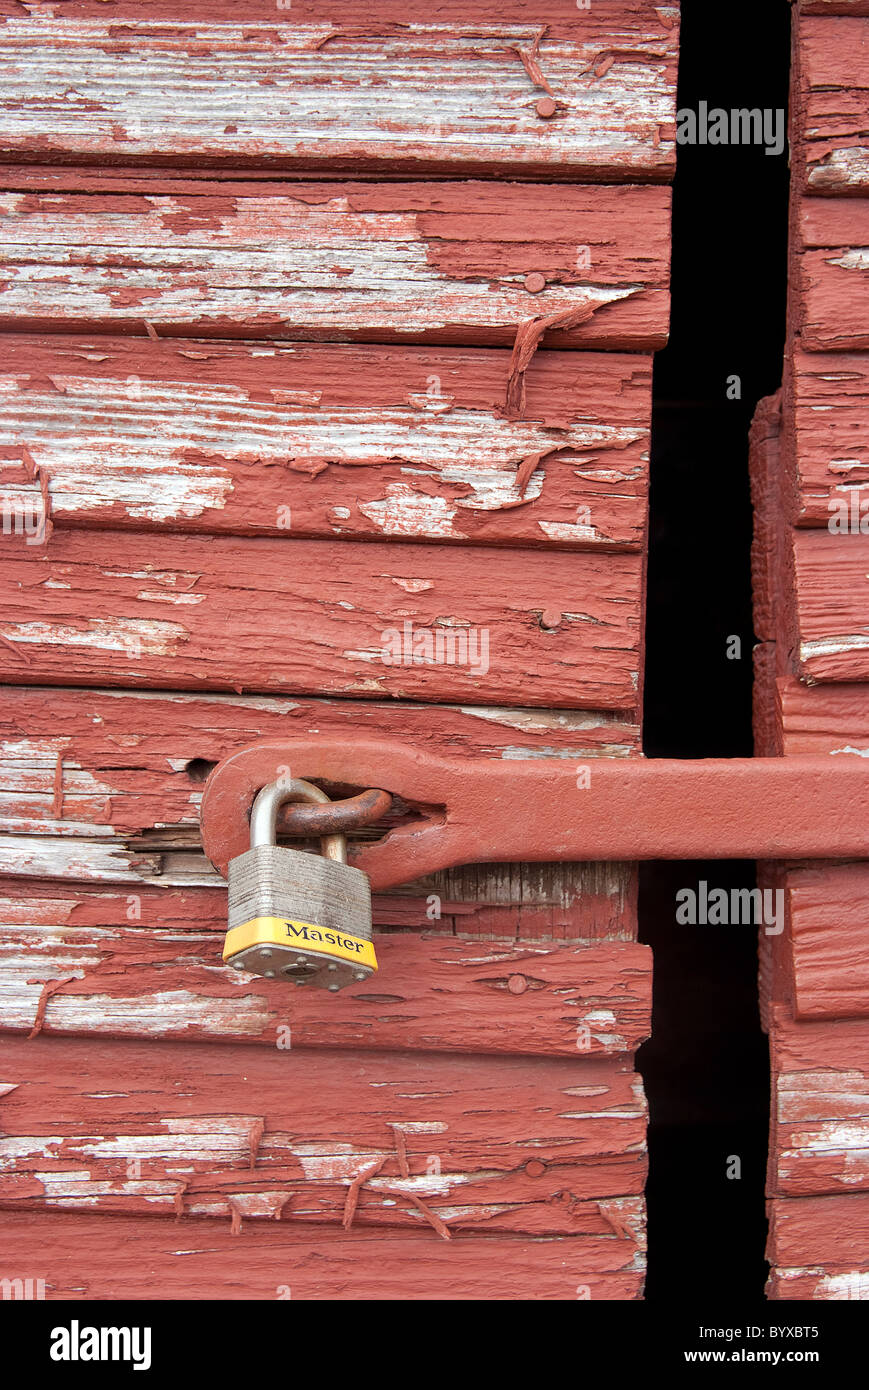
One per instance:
(479, 810)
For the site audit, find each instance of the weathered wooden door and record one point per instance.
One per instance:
(811, 586)
(270, 463)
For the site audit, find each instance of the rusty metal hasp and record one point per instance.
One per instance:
(481, 810)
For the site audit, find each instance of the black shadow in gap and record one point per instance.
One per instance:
(706, 1067)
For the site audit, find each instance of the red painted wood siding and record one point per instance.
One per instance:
(260, 391)
(328, 441)
(812, 686)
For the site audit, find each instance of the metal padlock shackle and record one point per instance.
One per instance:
(267, 803)
(297, 916)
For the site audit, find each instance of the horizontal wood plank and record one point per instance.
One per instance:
(823, 718)
(829, 930)
(830, 284)
(159, 884)
(315, 617)
(395, 94)
(810, 587)
(432, 992)
(817, 1247)
(820, 1231)
(542, 1148)
(131, 761)
(95, 1258)
(831, 614)
(832, 103)
(446, 263)
(819, 1141)
(324, 441)
(834, 7)
(836, 1283)
(102, 788)
(826, 416)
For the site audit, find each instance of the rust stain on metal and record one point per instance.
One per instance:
(431, 1217)
(57, 799)
(530, 60)
(355, 1188)
(254, 1140)
(401, 1150)
(49, 987)
(336, 817)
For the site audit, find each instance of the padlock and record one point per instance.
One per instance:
(296, 916)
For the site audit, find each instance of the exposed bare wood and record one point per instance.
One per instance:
(811, 587)
(433, 992)
(102, 885)
(831, 605)
(132, 769)
(324, 441)
(826, 414)
(820, 1126)
(835, 1283)
(817, 1246)
(291, 94)
(830, 279)
(542, 1148)
(395, 262)
(830, 104)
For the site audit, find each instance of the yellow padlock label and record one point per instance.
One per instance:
(281, 931)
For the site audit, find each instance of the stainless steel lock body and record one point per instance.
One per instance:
(295, 916)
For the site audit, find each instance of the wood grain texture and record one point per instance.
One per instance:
(831, 605)
(95, 1258)
(830, 105)
(819, 1130)
(835, 1283)
(163, 882)
(829, 932)
(394, 262)
(830, 1230)
(823, 718)
(769, 557)
(826, 421)
(816, 967)
(811, 605)
(297, 616)
(432, 992)
(791, 716)
(325, 441)
(397, 95)
(810, 587)
(819, 1142)
(818, 1247)
(830, 275)
(104, 788)
(834, 7)
(487, 1081)
(540, 1148)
